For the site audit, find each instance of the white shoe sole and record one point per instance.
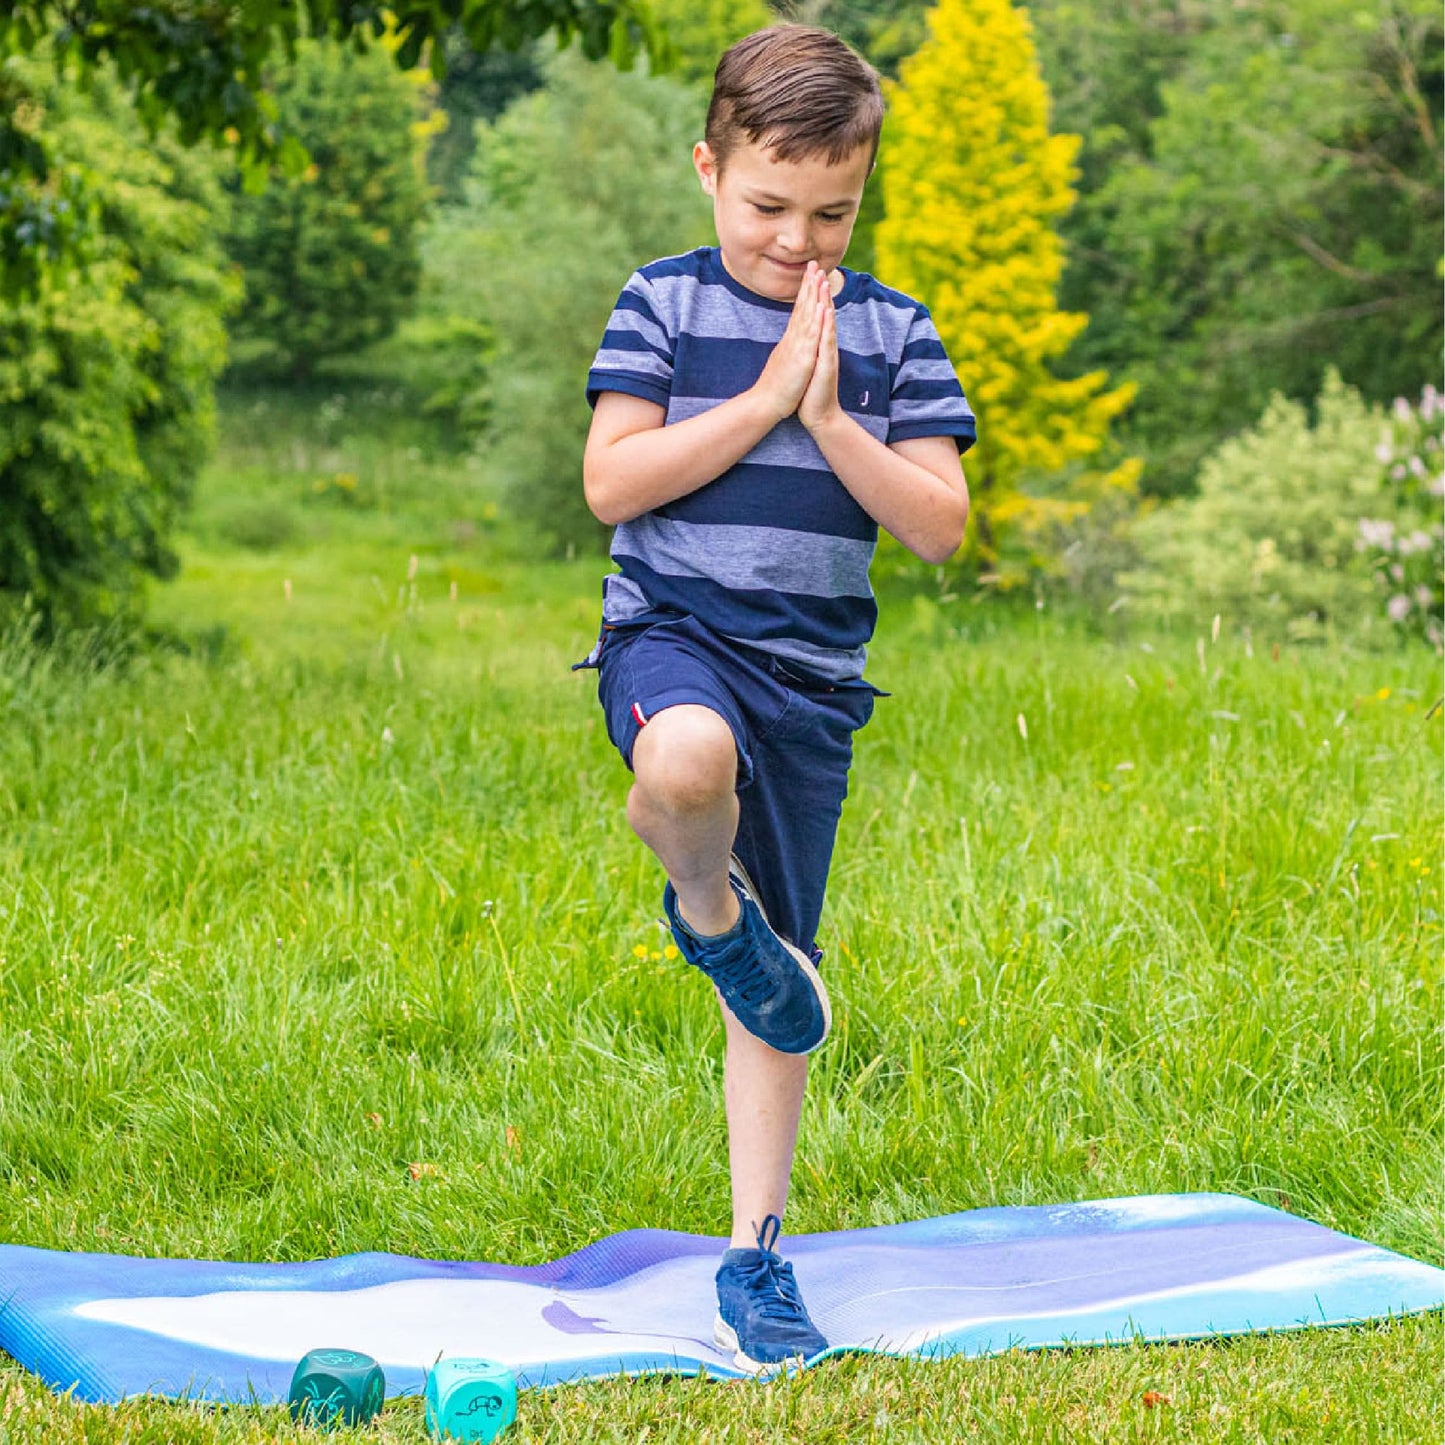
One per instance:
(805, 963)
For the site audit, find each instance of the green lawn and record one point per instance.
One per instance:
(334, 880)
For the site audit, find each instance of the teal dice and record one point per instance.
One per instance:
(469, 1399)
(336, 1387)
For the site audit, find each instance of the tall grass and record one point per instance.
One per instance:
(335, 938)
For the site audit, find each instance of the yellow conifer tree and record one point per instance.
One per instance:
(972, 186)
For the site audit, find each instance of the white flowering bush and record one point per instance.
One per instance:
(1404, 544)
(1307, 529)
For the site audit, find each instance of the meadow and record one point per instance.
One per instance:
(322, 930)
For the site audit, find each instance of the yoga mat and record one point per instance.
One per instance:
(1164, 1267)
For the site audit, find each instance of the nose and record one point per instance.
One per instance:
(793, 235)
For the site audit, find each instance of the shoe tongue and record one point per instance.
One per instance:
(751, 1258)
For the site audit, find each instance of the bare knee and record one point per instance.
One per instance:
(685, 759)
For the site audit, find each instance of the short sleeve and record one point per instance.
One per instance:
(636, 352)
(926, 400)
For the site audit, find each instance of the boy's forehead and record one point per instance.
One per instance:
(808, 178)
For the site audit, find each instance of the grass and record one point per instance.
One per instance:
(336, 882)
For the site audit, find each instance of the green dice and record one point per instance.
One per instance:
(469, 1399)
(336, 1387)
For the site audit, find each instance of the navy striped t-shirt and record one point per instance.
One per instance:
(774, 552)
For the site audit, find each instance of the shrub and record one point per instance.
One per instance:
(106, 375)
(577, 185)
(1404, 544)
(1273, 537)
(330, 254)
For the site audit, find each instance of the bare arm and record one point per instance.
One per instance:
(914, 489)
(634, 463)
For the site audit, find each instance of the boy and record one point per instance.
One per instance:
(758, 413)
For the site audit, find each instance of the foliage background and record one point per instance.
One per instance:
(1241, 197)
(575, 186)
(1139, 881)
(107, 372)
(330, 256)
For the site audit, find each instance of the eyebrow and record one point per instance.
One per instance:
(785, 201)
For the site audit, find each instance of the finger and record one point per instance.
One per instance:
(804, 295)
(804, 306)
(825, 316)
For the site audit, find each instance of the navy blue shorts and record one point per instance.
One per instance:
(794, 738)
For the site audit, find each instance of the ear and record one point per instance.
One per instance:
(706, 166)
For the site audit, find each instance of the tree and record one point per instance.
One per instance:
(1262, 200)
(330, 256)
(202, 63)
(973, 186)
(479, 87)
(474, 86)
(698, 31)
(107, 380)
(577, 184)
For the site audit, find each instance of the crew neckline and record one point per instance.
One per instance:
(715, 261)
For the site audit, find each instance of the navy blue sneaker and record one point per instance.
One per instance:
(760, 1315)
(772, 988)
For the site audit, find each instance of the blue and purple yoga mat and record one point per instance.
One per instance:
(1166, 1267)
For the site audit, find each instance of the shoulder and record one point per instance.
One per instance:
(664, 286)
(878, 320)
(671, 268)
(866, 290)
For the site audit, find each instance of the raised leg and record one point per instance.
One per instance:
(684, 806)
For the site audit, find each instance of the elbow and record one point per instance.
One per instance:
(600, 502)
(937, 554)
(947, 537)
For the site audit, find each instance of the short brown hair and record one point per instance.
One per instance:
(799, 90)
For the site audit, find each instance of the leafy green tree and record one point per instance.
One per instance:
(330, 256)
(1107, 63)
(974, 185)
(698, 31)
(577, 184)
(107, 380)
(1280, 212)
(202, 63)
(885, 31)
(479, 87)
(473, 86)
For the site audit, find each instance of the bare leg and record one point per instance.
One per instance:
(684, 806)
(764, 1093)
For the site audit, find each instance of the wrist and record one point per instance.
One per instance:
(831, 423)
(764, 406)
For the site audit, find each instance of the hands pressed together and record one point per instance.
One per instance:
(801, 376)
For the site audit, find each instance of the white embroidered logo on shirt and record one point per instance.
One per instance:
(863, 400)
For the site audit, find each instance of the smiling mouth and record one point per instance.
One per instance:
(788, 265)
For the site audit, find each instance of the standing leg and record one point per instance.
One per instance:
(763, 1090)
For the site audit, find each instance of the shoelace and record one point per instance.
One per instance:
(737, 970)
(781, 1301)
(774, 1290)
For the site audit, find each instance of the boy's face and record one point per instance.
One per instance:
(773, 216)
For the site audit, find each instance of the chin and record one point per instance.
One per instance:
(778, 286)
